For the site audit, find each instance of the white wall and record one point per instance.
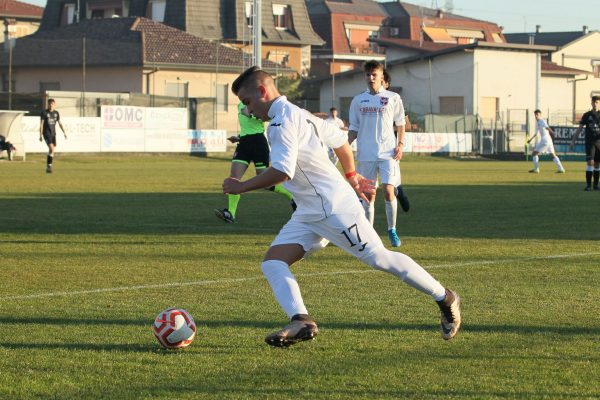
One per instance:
(556, 98)
(507, 75)
(579, 55)
(451, 75)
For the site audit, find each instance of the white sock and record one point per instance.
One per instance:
(284, 286)
(369, 210)
(391, 212)
(536, 162)
(589, 168)
(406, 269)
(558, 163)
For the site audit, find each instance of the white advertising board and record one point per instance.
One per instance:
(421, 142)
(122, 117)
(83, 135)
(207, 141)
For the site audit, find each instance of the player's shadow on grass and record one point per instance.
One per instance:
(541, 210)
(118, 347)
(476, 328)
(335, 325)
(62, 321)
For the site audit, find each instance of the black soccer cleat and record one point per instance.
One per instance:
(225, 215)
(402, 198)
(49, 169)
(300, 328)
(587, 189)
(450, 314)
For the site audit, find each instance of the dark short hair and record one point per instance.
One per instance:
(373, 64)
(251, 74)
(386, 77)
(537, 112)
(51, 101)
(595, 98)
(332, 109)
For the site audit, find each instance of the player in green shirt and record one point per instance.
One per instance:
(252, 147)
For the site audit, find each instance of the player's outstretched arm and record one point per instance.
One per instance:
(270, 177)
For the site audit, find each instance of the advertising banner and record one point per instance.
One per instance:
(207, 140)
(562, 139)
(122, 117)
(83, 135)
(421, 142)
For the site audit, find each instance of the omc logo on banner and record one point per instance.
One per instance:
(122, 117)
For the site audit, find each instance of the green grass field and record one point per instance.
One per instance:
(92, 253)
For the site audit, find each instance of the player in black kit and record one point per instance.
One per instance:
(49, 119)
(591, 122)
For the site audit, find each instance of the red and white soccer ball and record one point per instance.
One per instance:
(174, 328)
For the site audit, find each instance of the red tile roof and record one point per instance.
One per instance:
(549, 67)
(13, 8)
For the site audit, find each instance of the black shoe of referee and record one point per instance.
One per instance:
(402, 198)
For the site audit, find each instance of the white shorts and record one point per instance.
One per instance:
(352, 233)
(387, 170)
(544, 147)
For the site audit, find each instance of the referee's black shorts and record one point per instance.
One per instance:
(252, 148)
(592, 150)
(50, 139)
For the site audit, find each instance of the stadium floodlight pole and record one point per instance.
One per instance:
(8, 29)
(83, 75)
(257, 27)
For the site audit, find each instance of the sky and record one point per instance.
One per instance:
(514, 15)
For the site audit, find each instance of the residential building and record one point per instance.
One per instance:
(578, 50)
(413, 22)
(345, 26)
(24, 18)
(287, 35)
(130, 55)
(496, 82)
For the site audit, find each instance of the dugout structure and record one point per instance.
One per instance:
(12, 129)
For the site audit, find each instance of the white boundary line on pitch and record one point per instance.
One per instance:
(254, 278)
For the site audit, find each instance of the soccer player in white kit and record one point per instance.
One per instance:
(334, 119)
(545, 145)
(373, 114)
(328, 207)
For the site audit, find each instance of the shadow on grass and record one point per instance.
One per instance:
(125, 348)
(324, 325)
(536, 211)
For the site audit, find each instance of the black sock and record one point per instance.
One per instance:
(49, 160)
(588, 178)
(596, 177)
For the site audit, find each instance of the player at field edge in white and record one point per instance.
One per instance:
(545, 145)
(373, 114)
(334, 119)
(328, 207)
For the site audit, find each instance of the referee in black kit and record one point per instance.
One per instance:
(590, 121)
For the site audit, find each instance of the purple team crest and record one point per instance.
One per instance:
(383, 100)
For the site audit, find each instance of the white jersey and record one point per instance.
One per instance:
(299, 143)
(336, 121)
(373, 117)
(541, 128)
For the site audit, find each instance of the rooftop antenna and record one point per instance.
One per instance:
(449, 6)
